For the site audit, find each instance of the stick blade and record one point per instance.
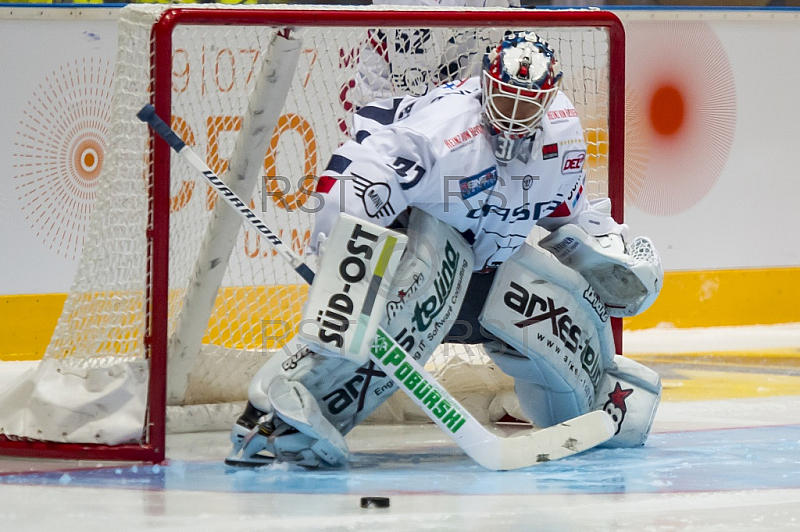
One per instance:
(553, 443)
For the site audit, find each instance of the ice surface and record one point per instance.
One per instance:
(721, 460)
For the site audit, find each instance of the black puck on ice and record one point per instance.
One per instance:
(374, 502)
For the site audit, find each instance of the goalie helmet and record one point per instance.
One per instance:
(520, 79)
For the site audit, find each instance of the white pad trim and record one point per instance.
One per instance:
(293, 403)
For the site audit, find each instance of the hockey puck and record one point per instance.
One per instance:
(374, 502)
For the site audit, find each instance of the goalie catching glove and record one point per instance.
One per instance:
(626, 278)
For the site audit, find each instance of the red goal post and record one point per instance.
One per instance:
(146, 313)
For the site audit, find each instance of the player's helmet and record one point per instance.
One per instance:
(521, 77)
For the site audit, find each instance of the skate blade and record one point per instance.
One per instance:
(249, 463)
(248, 458)
(246, 464)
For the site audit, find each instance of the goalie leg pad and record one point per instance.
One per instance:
(341, 313)
(426, 294)
(630, 393)
(559, 335)
(283, 420)
(545, 407)
(545, 397)
(271, 439)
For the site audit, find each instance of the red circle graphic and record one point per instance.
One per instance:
(667, 110)
(60, 149)
(680, 114)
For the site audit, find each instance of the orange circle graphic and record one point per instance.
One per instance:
(60, 149)
(87, 158)
(680, 114)
(666, 110)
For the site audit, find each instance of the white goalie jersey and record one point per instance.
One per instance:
(430, 152)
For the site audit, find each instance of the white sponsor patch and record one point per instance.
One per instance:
(572, 163)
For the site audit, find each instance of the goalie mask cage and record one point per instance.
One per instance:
(174, 302)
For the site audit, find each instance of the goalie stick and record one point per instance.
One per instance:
(489, 450)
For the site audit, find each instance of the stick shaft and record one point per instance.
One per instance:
(148, 115)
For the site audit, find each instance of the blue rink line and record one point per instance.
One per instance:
(710, 460)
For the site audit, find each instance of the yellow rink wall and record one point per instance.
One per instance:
(26, 324)
(719, 298)
(688, 299)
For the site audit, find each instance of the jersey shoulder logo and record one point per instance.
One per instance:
(573, 161)
(527, 181)
(375, 197)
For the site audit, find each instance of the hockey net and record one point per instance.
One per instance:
(174, 301)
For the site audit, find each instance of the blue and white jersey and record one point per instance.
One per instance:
(431, 152)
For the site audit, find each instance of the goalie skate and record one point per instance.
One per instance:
(250, 438)
(294, 431)
(255, 444)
